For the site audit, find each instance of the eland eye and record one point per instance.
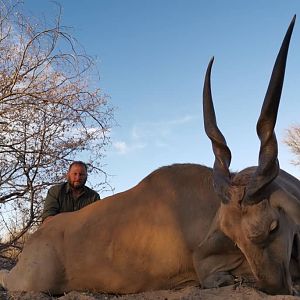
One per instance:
(273, 226)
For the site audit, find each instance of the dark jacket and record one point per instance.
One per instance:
(59, 199)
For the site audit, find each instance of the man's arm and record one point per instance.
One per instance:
(97, 196)
(51, 205)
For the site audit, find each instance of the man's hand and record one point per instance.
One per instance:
(47, 220)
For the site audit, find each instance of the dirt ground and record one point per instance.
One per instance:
(236, 292)
(190, 293)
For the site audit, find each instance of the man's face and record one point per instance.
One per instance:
(77, 176)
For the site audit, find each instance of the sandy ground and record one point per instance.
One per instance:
(224, 293)
(236, 292)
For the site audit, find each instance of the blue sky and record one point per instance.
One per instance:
(152, 56)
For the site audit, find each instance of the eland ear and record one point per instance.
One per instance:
(215, 243)
(214, 257)
(268, 165)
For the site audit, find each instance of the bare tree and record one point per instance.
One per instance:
(51, 111)
(292, 139)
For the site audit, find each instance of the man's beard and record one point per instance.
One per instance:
(76, 185)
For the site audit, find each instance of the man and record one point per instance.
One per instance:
(71, 195)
